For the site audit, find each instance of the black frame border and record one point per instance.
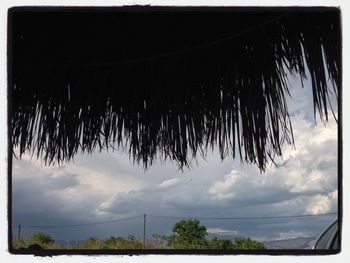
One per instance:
(130, 252)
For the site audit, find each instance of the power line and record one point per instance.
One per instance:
(85, 224)
(177, 217)
(240, 218)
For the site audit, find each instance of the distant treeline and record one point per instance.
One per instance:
(186, 234)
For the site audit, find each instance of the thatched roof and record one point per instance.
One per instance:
(166, 83)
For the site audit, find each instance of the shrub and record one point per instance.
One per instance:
(41, 239)
(247, 243)
(216, 243)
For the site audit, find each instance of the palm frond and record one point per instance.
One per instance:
(161, 85)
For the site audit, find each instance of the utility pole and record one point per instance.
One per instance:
(19, 231)
(144, 231)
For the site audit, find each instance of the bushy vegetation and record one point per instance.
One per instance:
(186, 234)
(43, 240)
(111, 243)
(46, 242)
(189, 234)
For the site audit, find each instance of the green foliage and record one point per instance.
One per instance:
(161, 240)
(131, 237)
(188, 234)
(242, 243)
(92, 243)
(113, 242)
(123, 243)
(42, 239)
(18, 243)
(216, 243)
(248, 243)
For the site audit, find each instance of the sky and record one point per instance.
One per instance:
(107, 186)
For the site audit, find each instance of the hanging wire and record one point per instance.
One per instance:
(177, 217)
(85, 224)
(241, 218)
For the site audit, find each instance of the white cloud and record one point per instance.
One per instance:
(309, 169)
(322, 203)
(291, 234)
(107, 186)
(71, 190)
(170, 182)
(221, 231)
(95, 182)
(222, 189)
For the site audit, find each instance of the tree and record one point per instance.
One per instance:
(188, 234)
(42, 239)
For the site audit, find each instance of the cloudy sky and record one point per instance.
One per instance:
(107, 186)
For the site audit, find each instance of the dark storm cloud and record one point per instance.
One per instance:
(106, 186)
